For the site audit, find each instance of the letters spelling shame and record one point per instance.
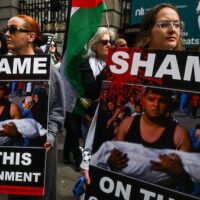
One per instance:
(120, 63)
(23, 65)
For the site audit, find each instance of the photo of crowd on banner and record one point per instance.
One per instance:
(23, 113)
(155, 154)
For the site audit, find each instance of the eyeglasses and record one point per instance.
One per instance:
(170, 24)
(13, 29)
(53, 45)
(105, 42)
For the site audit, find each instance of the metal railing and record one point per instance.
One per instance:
(50, 14)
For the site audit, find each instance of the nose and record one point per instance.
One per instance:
(109, 44)
(156, 103)
(172, 27)
(7, 33)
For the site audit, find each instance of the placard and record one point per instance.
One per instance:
(149, 108)
(24, 91)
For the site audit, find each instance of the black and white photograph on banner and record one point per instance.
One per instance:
(147, 129)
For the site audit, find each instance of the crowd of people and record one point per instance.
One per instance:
(130, 113)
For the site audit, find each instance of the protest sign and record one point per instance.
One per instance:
(149, 107)
(24, 89)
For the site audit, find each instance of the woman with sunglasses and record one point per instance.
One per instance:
(91, 76)
(22, 34)
(97, 51)
(55, 55)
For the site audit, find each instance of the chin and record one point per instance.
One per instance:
(170, 46)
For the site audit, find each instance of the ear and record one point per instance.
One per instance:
(32, 37)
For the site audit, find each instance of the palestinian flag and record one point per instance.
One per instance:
(86, 17)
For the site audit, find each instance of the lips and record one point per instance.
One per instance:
(171, 38)
(9, 42)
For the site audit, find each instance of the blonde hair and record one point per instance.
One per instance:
(91, 46)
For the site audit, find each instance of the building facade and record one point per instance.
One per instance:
(52, 15)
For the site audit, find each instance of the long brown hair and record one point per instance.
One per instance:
(148, 22)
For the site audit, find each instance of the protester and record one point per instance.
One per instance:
(91, 76)
(55, 55)
(160, 29)
(92, 69)
(120, 42)
(22, 33)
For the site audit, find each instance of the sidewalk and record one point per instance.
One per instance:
(66, 176)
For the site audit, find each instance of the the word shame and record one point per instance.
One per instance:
(27, 65)
(179, 68)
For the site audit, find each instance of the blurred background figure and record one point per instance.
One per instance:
(3, 44)
(55, 55)
(22, 33)
(120, 42)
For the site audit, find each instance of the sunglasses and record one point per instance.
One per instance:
(13, 29)
(105, 42)
(53, 45)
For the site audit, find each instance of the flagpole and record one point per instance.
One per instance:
(107, 21)
(67, 26)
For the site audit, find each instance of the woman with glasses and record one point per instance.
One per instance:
(22, 34)
(160, 29)
(97, 51)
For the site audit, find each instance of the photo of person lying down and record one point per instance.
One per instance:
(18, 131)
(144, 163)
